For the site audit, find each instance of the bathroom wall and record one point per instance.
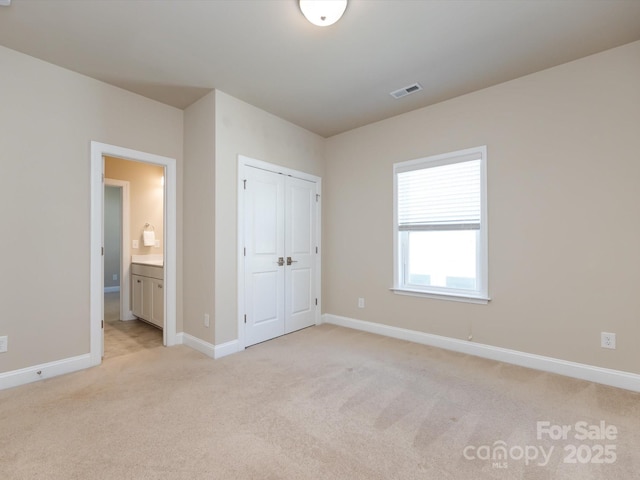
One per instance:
(112, 234)
(146, 193)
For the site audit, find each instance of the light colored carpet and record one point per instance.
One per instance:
(322, 403)
(123, 338)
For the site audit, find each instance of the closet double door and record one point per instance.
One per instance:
(281, 249)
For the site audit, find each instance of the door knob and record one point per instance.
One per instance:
(289, 261)
(280, 261)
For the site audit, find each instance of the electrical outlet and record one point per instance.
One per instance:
(361, 303)
(157, 244)
(608, 340)
(115, 277)
(206, 320)
(134, 244)
(4, 344)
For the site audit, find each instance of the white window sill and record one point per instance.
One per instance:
(441, 296)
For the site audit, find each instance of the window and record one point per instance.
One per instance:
(440, 226)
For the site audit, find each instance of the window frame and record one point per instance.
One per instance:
(400, 286)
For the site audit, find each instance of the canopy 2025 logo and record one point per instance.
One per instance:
(596, 446)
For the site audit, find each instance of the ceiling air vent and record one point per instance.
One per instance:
(402, 92)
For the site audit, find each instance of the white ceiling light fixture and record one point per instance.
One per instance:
(5, 3)
(323, 12)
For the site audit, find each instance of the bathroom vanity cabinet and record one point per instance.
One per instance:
(148, 293)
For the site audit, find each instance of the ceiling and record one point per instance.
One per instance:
(327, 80)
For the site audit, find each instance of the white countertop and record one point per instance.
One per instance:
(156, 260)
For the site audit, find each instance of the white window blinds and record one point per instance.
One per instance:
(440, 197)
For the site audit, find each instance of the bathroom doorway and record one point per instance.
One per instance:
(135, 186)
(158, 214)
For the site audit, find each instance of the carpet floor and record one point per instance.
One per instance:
(322, 403)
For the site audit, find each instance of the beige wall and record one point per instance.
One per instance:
(48, 118)
(563, 177)
(242, 129)
(199, 218)
(218, 128)
(564, 229)
(146, 199)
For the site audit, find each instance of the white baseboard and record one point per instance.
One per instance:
(23, 376)
(605, 376)
(111, 289)
(213, 351)
(35, 373)
(227, 348)
(130, 316)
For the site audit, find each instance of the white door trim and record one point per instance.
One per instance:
(243, 163)
(98, 151)
(125, 253)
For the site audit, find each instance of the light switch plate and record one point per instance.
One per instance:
(4, 344)
(157, 243)
(135, 244)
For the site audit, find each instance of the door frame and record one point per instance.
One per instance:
(244, 163)
(96, 276)
(125, 262)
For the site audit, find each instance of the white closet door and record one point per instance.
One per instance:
(280, 259)
(264, 243)
(300, 245)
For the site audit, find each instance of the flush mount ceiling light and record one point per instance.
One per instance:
(323, 12)
(5, 3)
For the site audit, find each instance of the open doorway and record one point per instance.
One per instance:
(133, 198)
(166, 189)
